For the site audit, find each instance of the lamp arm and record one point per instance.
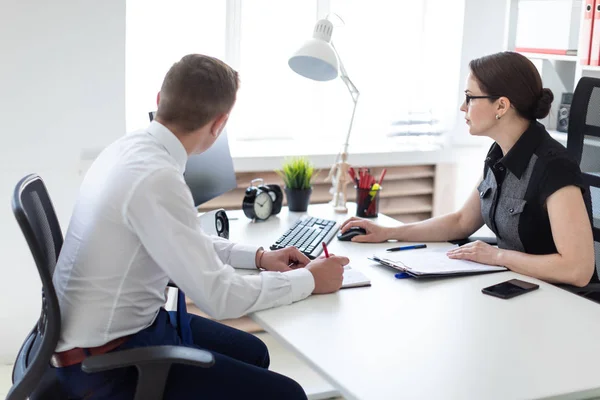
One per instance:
(354, 93)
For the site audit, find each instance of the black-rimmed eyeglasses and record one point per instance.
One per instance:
(468, 98)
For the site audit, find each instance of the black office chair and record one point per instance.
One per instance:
(33, 377)
(584, 123)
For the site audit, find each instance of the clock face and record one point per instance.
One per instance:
(263, 205)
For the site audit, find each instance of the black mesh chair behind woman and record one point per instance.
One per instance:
(583, 144)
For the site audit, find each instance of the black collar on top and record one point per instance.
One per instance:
(519, 155)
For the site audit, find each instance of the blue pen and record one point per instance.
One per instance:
(411, 247)
(402, 275)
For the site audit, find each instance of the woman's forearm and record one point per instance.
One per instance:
(553, 268)
(438, 229)
(457, 225)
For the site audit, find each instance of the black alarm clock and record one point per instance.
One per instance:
(261, 201)
(277, 196)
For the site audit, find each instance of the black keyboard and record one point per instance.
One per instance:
(307, 234)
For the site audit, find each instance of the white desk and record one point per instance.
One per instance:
(439, 339)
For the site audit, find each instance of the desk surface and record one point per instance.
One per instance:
(438, 339)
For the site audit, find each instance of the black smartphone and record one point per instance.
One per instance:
(510, 289)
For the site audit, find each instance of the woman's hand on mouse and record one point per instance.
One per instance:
(375, 233)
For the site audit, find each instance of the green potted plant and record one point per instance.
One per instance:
(297, 174)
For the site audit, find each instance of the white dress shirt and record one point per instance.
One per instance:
(133, 228)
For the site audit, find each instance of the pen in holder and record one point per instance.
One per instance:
(367, 202)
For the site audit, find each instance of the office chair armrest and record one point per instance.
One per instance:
(141, 356)
(153, 364)
(582, 291)
(486, 239)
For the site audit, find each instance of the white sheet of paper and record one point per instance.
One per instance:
(434, 261)
(354, 278)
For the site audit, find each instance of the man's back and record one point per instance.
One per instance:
(105, 279)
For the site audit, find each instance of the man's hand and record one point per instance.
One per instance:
(477, 251)
(281, 260)
(375, 233)
(328, 273)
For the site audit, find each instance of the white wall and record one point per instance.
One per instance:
(62, 80)
(484, 32)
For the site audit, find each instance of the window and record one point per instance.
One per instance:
(403, 56)
(273, 102)
(158, 33)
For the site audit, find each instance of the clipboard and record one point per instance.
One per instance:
(434, 264)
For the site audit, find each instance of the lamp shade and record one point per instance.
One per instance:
(317, 59)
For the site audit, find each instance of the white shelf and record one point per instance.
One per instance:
(556, 57)
(562, 137)
(590, 68)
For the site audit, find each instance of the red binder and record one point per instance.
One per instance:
(585, 35)
(595, 47)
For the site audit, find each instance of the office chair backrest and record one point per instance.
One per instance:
(583, 144)
(35, 214)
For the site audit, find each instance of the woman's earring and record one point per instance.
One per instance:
(497, 116)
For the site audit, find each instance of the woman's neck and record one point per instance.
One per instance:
(510, 132)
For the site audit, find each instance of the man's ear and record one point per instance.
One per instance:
(157, 98)
(503, 106)
(219, 124)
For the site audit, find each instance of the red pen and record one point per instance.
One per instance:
(353, 175)
(365, 179)
(382, 175)
(325, 250)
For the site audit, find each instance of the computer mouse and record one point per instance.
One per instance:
(350, 233)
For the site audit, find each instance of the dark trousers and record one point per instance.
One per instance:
(240, 369)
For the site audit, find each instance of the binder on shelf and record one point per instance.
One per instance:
(595, 45)
(585, 34)
(535, 16)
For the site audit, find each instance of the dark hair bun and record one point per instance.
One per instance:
(544, 103)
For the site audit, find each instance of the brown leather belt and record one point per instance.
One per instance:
(77, 354)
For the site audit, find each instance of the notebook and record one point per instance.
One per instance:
(432, 262)
(354, 278)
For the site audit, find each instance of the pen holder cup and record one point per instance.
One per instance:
(367, 202)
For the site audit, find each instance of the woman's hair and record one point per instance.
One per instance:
(514, 76)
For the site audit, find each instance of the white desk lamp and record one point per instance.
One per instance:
(318, 59)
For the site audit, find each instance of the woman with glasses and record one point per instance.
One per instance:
(531, 196)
